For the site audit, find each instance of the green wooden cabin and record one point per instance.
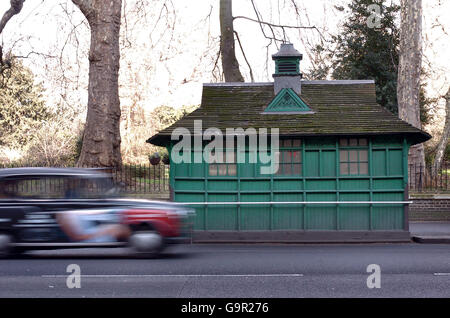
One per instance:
(336, 144)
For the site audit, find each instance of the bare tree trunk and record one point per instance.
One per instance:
(230, 64)
(444, 138)
(101, 140)
(408, 82)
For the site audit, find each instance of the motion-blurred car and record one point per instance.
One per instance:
(50, 208)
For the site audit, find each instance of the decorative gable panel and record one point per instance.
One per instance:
(287, 101)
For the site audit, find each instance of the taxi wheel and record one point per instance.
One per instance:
(146, 243)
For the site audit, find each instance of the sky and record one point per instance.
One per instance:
(164, 68)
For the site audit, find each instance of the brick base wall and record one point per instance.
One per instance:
(430, 209)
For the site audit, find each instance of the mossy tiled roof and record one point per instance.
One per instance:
(338, 108)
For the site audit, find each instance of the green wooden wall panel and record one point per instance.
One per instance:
(190, 197)
(219, 197)
(197, 170)
(288, 217)
(320, 185)
(287, 197)
(321, 217)
(379, 162)
(328, 163)
(255, 197)
(354, 217)
(321, 197)
(181, 169)
(388, 196)
(255, 217)
(354, 184)
(255, 185)
(222, 185)
(391, 184)
(247, 170)
(295, 184)
(387, 217)
(354, 196)
(221, 217)
(311, 163)
(190, 184)
(395, 162)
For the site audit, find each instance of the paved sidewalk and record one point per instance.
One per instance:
(430, 232)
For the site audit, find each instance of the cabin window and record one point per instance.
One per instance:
(224, 166)
(353, 158)
(290, 157)
(353, 142)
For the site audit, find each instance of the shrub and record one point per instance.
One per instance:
(53, 145)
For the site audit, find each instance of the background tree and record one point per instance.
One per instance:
(409, 70)
(365, 52)
(275, 33)
(164, 116)
(101, 139)
(361, 51)
(22, 108)
(440, 152)
(230, 64)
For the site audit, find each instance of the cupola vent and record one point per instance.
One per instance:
(287, 69)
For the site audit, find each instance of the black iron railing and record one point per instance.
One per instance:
(133, 179)
(142, 178)
(429, 178)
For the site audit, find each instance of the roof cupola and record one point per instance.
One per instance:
(287, 68)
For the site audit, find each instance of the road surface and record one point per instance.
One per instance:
(310, 270)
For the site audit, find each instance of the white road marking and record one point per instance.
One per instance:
(441, 274)
(183, 275)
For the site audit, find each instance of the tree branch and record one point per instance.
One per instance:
(216, 63)
(35, 53)
(85, 6)
(276, 25)
(259, 21)
(245, 57)
(16, 7)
